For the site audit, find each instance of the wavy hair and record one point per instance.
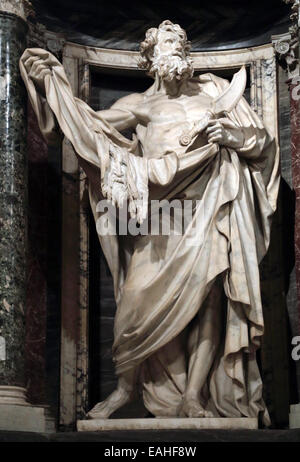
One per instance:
(147, 46)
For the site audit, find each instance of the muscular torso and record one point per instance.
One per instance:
(162, 120)
(159, 119)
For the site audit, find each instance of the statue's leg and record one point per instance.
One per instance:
(123, 394)
(203, 344)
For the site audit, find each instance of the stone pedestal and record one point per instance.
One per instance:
(98, 425)
(18, 415)
(295, 416)
(15, 412)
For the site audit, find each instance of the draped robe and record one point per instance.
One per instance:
(172, 295)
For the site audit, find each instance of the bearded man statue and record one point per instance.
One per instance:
(189, 318)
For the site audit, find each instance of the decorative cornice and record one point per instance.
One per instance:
(21, 8)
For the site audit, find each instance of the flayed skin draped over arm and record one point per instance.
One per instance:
(79, 123)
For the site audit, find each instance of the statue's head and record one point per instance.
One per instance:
(165, 51)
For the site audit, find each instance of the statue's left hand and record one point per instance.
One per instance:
(217, 133)
(37, 68)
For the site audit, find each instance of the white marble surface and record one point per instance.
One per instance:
(295, 416)
(14, 417)
(97, 425)
(124, 59)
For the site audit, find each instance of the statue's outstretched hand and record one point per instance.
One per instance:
(217, 133)
(37, 68)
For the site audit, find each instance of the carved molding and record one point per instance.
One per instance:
(287, 45)
(13, 395)
(21, 8)
(287, 51)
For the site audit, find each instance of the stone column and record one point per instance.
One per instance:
(15, 412)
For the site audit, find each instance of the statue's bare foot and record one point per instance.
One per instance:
(114, 401)
(192, 408)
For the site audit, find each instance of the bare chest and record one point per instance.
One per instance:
(165, 110)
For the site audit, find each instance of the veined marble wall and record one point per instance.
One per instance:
(288, 218)
(13, 201)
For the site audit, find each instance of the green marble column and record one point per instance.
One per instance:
(13, 201)
(15, 412)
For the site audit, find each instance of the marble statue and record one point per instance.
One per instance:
(189, 318)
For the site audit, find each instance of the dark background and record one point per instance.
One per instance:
(120, 24)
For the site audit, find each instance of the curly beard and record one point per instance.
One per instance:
(172, 67)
